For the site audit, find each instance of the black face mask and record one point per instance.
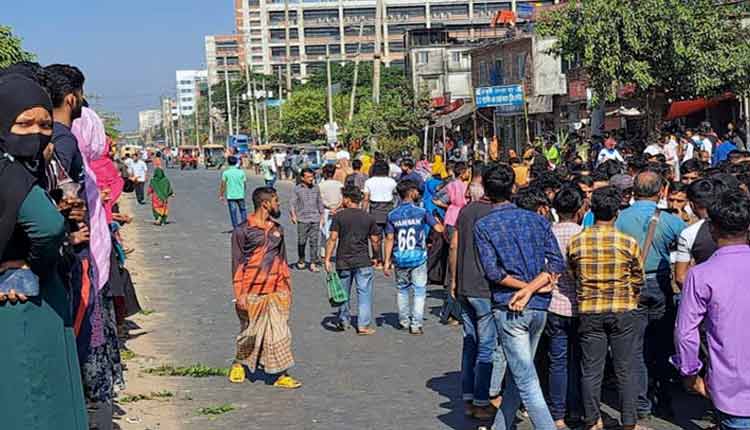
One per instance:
(27, 148)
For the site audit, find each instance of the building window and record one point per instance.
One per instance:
(423, 57)
(521, 66)
(456, 57)
(483, 75)
(498, 72)
(186, 91)
(186, 82)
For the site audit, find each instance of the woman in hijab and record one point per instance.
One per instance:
(41, 385)
(160, 190)
(94, 319)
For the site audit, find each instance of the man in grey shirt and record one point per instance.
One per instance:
(307, 212)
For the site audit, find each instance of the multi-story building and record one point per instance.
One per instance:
(224, 52)
(148, 119)
(314, 24)
(187, 82)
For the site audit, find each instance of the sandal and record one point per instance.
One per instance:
(301, 265)
(314, 268)
(287, 382)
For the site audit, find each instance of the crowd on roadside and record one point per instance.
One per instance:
(64, 288)
(609, 253)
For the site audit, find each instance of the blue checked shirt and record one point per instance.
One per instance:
(518, 243)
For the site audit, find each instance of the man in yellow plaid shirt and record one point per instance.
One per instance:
(607, 267)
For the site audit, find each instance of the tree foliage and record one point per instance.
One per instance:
(675, 48)
(10, 48)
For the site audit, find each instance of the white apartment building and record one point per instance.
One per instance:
(187, 89)
(148, 119)
(312, 24)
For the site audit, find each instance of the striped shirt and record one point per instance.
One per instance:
(607, 265)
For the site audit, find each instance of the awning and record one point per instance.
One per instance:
(688, 107)
(448, 119)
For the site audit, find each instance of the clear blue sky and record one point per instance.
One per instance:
(128, 50)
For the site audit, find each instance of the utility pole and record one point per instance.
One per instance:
(288, 47)
(195, 114)
(210, 117)
(376, 60)
(330, 90)
(265, 109)
(237, 125)
(280, 93)
(356, 70)
(250, 99)
(229, 96)
(747, 121)
(257, 111)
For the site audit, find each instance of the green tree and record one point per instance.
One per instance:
(111, 124)
(303, 116)
(10, 48)
(667, 48)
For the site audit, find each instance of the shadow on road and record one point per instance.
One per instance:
(446, 386)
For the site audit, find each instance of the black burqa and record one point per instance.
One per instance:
(21, 160)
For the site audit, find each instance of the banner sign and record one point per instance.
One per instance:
(509, 97)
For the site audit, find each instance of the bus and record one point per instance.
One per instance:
(239, 143)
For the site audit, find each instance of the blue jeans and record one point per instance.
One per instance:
(654, 344)
(564, 370)
(363, 278)
(237, 212)
(411, 279)
(731, 422)
(520, 333)
(271, 182)
(480, 342)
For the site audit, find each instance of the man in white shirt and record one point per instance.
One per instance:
(279, 158)
(139, 170)
(343, 154)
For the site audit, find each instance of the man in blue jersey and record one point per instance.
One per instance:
(406, 249)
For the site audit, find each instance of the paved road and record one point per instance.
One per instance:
(390, 380)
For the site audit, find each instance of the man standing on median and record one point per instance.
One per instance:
(405, 227)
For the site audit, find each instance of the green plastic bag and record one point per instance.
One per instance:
(337, 295)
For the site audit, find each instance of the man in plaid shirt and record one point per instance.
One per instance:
(607, 265)
(562, 326)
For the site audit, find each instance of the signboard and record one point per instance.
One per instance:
(525, 10)
(507, 98)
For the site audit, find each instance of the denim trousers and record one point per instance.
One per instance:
(480, 342)
(599, 333)
(271, 182)
(564, 370)
(308, 233)
(451, 308)
(362, 277)
(654, 343)
(414, 279)
(499, 364)
(139, 192)
(732, 422)
(237, 212)
(520, 333)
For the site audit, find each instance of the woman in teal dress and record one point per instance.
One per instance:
(41, 381)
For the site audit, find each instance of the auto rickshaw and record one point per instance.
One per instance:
(130, 150)
(213, 156)
(188, 157)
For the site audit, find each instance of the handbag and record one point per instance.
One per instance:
(22, 281)
(337, 295)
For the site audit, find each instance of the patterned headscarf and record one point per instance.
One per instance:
(89, 131)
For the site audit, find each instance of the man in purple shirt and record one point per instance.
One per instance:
(716, 292)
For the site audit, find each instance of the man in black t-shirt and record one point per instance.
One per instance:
(353, 229)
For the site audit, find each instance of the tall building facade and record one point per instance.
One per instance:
(315, 24)
(188, 82)
(148, 119)
(224, 52)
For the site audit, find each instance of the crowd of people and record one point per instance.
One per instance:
(606, 255)
(64, 288)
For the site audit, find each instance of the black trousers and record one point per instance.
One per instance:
(597, 333)
(139, 192)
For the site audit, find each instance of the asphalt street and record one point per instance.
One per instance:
(389, 380)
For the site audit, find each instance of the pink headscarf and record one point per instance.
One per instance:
(89, 131)
(108, 177)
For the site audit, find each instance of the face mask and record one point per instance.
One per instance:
(27, 147)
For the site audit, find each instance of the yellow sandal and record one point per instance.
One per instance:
(287, 382)
(237, 373)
